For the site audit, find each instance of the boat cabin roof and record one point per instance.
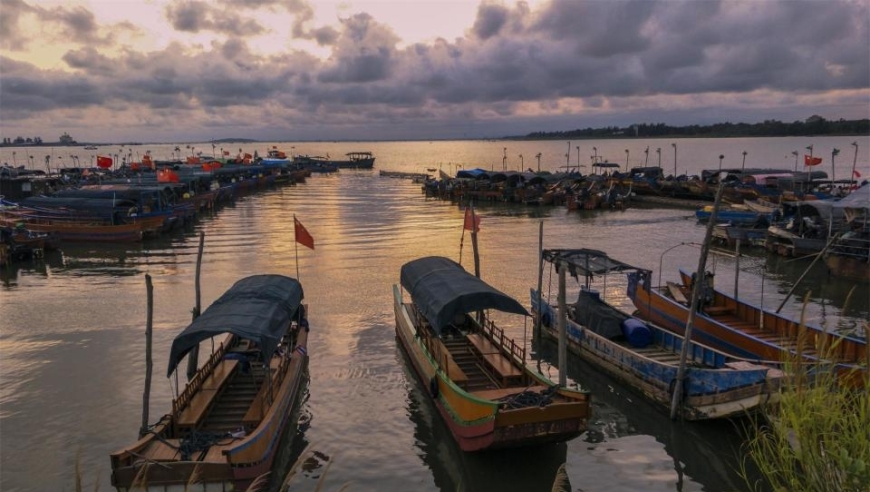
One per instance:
(442, 289)
(257, 308)
(587, 262)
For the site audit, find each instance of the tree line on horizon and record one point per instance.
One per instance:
(814, 125)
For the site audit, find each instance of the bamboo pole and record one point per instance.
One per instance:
(819, 255)
(474, 244)
(563, 336)
(193, 356)
(540, 278)
(146, 396)
(696, 294)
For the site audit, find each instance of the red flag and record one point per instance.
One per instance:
(857, 174)
(226, 152)
(167, 176)
(104, 162)
(472, 220)
(812, 161)
(302, 235)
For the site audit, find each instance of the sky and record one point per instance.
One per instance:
(295, 70)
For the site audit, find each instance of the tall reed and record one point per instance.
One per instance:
(817, 438)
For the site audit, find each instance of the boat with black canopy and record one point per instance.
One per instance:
(476, 375)
(224, 427)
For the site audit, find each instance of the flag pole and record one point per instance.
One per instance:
(296, 246)
(462, 238)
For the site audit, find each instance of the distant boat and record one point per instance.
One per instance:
(91, 147)
(356, 160)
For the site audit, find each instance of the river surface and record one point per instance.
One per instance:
(72, 328)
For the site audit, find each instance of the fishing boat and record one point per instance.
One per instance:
(476, 375)
(743, 329)
(356, 160)
(848, 256)
(646, 357)
(225, 425)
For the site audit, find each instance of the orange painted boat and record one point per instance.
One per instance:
(476, 376)
(225, 426)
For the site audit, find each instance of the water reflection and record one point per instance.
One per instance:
(633, 445)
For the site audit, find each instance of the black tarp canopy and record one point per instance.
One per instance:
(441, 289)
(587, 262)
(257, 308)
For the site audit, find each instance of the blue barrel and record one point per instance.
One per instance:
(637, 332)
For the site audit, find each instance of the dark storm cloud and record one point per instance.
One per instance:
(490, 20)
(196, 16)
(606, 57)
(10, 36)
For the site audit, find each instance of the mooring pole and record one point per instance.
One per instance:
(736, 268)
(540, 278)
(146, 396)
(474, 244)
(697, 287)
(563, 335)
(193, 355)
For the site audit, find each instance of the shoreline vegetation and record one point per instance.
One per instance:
(812, 126)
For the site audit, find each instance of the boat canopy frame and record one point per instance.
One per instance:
(442, 289)
(257, 308)
(588, 262)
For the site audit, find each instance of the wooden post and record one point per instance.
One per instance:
(474, 244)
(540, 278)
(563, 335)
(146, 396)
(697, 286)
(193, 355)
(736, 268)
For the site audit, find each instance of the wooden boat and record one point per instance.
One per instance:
(356, 160)
(475, 374)
(745, 330)
(78, 231)
(646, 357)
(225, 425)
(849, 255)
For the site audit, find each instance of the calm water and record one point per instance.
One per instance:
(72, 330)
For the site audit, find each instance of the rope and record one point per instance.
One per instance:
(201, 442)
(530, 398)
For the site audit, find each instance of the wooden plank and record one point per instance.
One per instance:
(502, 366)
(482, 344)
(201, 401)
(677, 293)
(497, 394)
(718, 310)
(454, 372)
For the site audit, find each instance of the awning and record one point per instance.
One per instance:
(257, 308)
(441, 289)
(587, 262)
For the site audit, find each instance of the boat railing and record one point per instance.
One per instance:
(507, 344)
(196, 382)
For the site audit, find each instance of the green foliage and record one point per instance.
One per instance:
(817, 438)
(767, 128)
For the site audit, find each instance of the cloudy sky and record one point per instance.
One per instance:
(191, 70)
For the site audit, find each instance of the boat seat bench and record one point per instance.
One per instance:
(198, 406)
(494, 358)
(445, 359)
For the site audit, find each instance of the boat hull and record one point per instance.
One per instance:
(477, 423)
(744, 330)
(229, 467)
(709, 392)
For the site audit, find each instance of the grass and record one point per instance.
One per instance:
(817, 439)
